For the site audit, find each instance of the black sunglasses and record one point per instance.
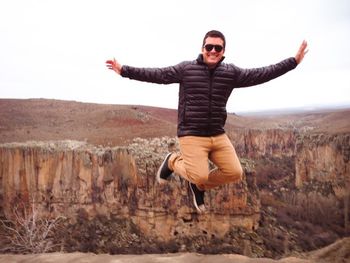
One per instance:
(209, 47)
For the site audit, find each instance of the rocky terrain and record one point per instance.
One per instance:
(335, 253)
(91, 167)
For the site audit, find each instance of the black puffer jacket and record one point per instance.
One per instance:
(203, 92)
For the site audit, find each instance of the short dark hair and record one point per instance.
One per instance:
(214, 33)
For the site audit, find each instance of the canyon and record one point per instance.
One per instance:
(96, 163)
(65, 177)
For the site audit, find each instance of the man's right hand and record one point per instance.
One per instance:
(114, 65)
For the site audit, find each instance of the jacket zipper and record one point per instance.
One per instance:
(211, 76)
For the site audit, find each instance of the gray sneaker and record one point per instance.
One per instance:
(198, 198)
(164, 173)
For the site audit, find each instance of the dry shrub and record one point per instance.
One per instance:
(27, 232)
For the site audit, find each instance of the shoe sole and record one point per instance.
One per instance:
(161, 180)
(194, 200)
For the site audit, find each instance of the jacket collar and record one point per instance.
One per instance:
(200, 60)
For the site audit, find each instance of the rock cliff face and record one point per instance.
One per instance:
(66, 176)
(323, 158)
(318, 156)
(254, 143)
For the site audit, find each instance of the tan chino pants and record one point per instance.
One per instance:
(192, 161)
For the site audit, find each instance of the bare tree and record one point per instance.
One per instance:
(27, 232)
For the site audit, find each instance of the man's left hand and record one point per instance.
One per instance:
(301, 52)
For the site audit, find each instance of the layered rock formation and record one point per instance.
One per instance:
(318, 157)
(66, 176)
(255, 143)
(324, 158)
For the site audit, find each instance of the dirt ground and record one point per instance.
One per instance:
(164, 258)
(338, 252)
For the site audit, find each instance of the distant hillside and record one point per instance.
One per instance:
(43, 119)
(318, 121)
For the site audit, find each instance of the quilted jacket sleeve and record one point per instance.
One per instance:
(255, 76)
(166, 75)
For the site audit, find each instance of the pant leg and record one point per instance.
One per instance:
(224, 156)
(192, 162)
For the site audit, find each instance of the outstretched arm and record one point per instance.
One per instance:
(114, 65)
(301, 52)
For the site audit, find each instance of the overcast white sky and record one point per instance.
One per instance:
(57, 49)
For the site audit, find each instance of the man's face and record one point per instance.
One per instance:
(213, 56)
